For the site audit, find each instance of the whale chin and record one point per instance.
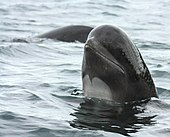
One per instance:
(96, 88)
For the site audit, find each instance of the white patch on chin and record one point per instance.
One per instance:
(96, 88)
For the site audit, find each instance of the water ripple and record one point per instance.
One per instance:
(122, 119)
(40, 79)
(110, 14)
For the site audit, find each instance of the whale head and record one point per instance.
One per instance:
(113, 68)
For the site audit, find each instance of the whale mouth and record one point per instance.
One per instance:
(103, 53)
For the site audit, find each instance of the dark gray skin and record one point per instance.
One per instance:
(70, 33)
(113, 68)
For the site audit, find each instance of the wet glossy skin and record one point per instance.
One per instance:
(70, 33)
(113, 68)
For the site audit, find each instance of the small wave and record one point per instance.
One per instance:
(10, 116)
(7, 116)
(66, 88)
(59, 131)
(23, 7)
(10, 86)
(65, 64)
(71, 100)
(41, 131)
(45, 85)
(155, 23)
(19, 47)
(110, 14)
(4, 11)
(117, 118)
(164, 131)
(157, 106)
(70, 89)
(70, 71)
(15, 50)
(159, 74)
(152, 45)
(19, 40)
(32, 96)
(116, 6)
(163, 93)
(7, 50)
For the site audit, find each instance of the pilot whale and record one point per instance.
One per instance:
(113, 68)
(69, 33)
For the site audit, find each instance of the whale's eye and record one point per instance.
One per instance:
(123, 53)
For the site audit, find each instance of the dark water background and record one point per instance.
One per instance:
(39, 79)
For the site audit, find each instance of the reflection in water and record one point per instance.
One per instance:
(99, 115)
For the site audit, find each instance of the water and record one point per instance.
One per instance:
(40, 80)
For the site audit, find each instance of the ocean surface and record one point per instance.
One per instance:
(40, 79)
